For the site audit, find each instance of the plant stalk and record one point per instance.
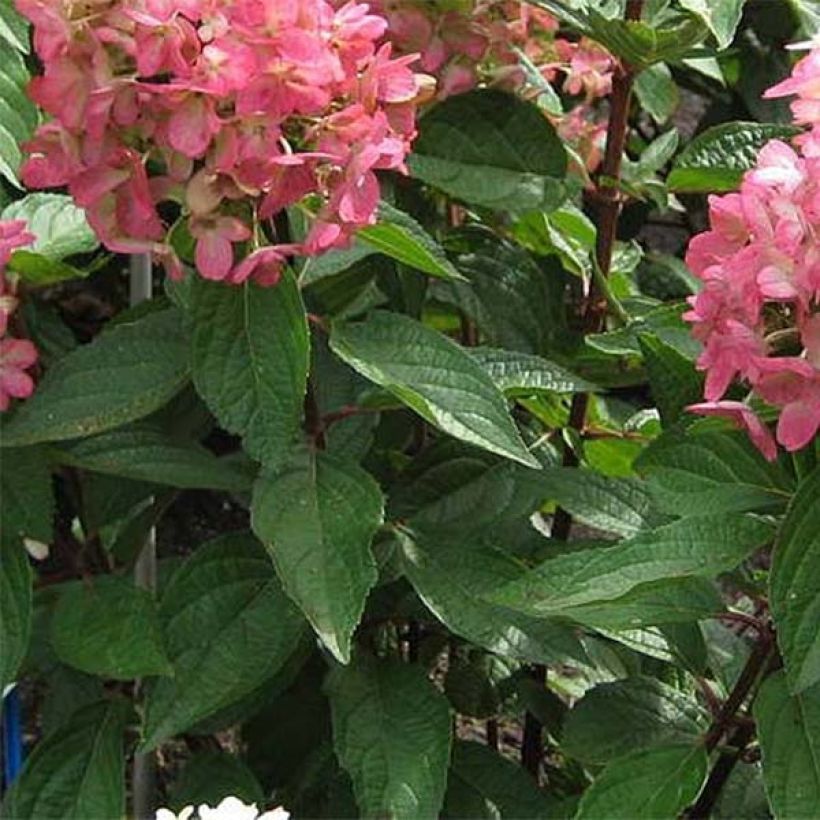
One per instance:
(608, 206)
(144, 771)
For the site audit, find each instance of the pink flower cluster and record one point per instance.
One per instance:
(481, 41)
(16, 355)
(220, 113)
(757, 313)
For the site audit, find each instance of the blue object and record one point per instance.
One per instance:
(12, 729)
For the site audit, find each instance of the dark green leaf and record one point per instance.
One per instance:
(317, 517)
(40, 271)
(110, 629)
(250, 352)
(470, 503)
(209, 777)
(228, 627)
(127, 372)
(619, 505)
(691, 547)
(434, 376)
(673, 380)
(515, 303)
(484, 784)
(669, 601)
(625, 716)
(491, 148)
(27, 507)
(76, 773)
(695, 472)
(646, 785)
(148, 454)
(789, 730)
(716, 159)
(400, 237)
(391, 732)
(642, 44)
(15, 609)
(520, 373)
(794, 586)
(453, 580)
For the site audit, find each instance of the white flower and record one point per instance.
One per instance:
(231, 808)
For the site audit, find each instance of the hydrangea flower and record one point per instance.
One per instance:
(759, 263)
(481, 41)
(217, 114)
(16, 355)
(231, 808)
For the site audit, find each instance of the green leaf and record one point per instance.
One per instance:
(646, 785)
(721, 16)
(788, 726)
(149, 454)
(670, 601)
(317, 517)
(699, 546)
(619, 505)
(39, 271)
(469, 503)
(228, 627)
(642, 44)
(77, 772)
(697, 472)
(657, 92)
(13, 28)
(623, 716)
(18, 115)
(209, 777)
(491, 148)
(523, 374)
(716, 160)
(16, 580)
(109, 629)
(127, 372)
(453, 580)
(515, 303)
(60, 227)
(484, 784)
(391, 733)
(27, 507)
(794, 586)
(400, 237)
(673, 380)
(250, 353)
(433, 376)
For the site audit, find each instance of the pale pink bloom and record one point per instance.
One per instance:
(16, 356)
(13, 235)
(214, 247)
(264, 266)
(744, 417)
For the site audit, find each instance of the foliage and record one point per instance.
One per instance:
(429, 499)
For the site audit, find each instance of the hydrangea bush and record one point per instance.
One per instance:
(463, 462)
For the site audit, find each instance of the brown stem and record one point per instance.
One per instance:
(492, 733)
(739, 730)
(756, 666)
(313, 418)
(608, 208)
(531, 744)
